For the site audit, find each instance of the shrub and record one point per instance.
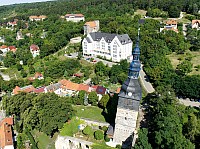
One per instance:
(106, 138)
(104, 128)
(98, 135)
(88, 131)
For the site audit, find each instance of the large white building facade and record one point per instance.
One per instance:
(111, 46)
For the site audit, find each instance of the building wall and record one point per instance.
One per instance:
(9, 147)
(65, 142)
(125, 124)
(75, 19)
(35, 53)
(114, 50)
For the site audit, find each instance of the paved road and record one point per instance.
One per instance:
(145, 82)
(189, 103)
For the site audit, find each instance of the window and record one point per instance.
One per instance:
(115, 48)
(103, 46)
(98, 45)
(109, 47)
(85, 45)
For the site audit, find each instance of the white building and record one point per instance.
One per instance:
(66, 142)
(37, 18)
(35, 50)
(111, 46)
(75, 17)
(196, 24)
(91, 26)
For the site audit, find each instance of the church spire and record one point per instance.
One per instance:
(135, 65)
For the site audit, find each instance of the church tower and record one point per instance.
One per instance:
(128, 103)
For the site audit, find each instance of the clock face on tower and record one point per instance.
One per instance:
(129, 94)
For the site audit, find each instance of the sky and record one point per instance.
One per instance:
(9, 2)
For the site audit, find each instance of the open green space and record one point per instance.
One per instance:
(178, 58)
(90, 112)
(44, 141)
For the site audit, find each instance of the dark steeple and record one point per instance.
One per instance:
(135, 65)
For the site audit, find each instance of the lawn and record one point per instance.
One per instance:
(140, 12)
(178, 58)
(44, 141)
(90, 112)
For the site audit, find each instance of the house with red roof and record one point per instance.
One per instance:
(26, 89)
(196, 24)
(75, 17)
(12, 48)
(35, 50)
(170, 25)
(6, 137)
(39, 90)
(4, 49)
(91, 26)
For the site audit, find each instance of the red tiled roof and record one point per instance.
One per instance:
(38, 17)
(6, 137)
(34, 47)
(26, 89)
(39, 90)
(171, 22)
(3, 47)
(38, 75)
(91, 24)
(12, 48)
(75, 15)
(83, 87)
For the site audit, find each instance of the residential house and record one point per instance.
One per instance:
(26, 89)
(2, 39)
(39, 90)
(170, 25)
(196, 24)
(37, 75)
(6, 135)
(114, 47)
(19, 35)
(35, 50)
(12, 24)
(4, 49)
(56, 88)
(100, 90)
(75, 17)
(37, 18)
(91, 26)
(69, 88)
(12, 48)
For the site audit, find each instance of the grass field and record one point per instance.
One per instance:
(44, 141)
(90, 112)
(178, 58)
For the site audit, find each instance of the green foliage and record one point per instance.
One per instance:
(93, 98)
(142, 141)
(56, 69)
(9, 60)
(106, 138)
(71, 127)
(104, 100)
(88, 131)
(98, 135)
(31, 138)
(23, 73)
(32, 110)
(156, 13)
(185, 67)
(31, 69)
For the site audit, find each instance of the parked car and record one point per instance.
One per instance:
(87, 59)
(94, 61)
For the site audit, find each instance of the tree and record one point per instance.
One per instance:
(9, 60)
(174, 11)
(88, 131)
(104, 100)
(93, 98)
(19, 66)
(80, 55)
(31, 69)
(98, 135)
(142, 141)
(184, 68)
(23, 73)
